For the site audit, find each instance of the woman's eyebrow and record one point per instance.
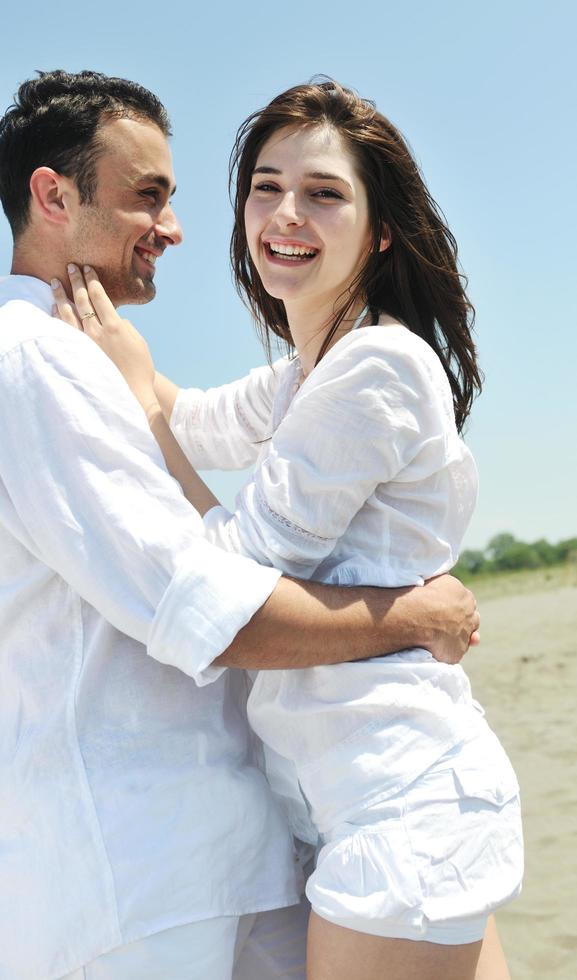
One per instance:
(315, 174)
(320, 175)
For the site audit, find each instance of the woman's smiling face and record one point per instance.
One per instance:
(306, 216)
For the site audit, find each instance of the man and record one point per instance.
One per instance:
(138, 837)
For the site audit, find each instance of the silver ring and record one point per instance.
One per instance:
(87, 316)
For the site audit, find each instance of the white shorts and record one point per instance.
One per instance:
(264, 946)
(433, 862)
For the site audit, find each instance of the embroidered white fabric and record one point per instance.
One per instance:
(365, 481)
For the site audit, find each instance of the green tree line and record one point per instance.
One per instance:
(504, 553)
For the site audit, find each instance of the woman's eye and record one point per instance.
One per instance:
(264, 187)
(327, 192)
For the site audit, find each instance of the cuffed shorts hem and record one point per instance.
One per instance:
(454, 933)
(433, 862)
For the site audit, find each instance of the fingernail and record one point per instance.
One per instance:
(54, 283)
(88, 268)
(72, 267)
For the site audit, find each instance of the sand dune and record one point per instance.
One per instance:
(525, 675)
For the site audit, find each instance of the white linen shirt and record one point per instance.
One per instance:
(362, 479)
(128, 799)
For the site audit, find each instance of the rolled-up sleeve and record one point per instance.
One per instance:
(225, 427)
(358, 420)
(84, 488)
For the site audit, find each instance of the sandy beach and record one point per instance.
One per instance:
(525, 675)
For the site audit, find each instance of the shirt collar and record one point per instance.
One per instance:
(28, 288)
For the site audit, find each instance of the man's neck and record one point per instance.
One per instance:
(38, 261)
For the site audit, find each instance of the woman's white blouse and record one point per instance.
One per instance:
(361, 478)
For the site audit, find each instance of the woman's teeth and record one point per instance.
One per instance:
(293, 252)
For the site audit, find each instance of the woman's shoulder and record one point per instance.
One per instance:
(387, 347)
(384, 371)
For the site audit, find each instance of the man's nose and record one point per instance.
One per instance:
(168, 227)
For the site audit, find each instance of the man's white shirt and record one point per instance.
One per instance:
(129, 801)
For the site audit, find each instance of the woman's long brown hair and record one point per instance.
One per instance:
(416, 280)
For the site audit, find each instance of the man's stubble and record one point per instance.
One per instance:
(123, 285)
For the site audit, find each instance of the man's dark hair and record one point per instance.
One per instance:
(54, 122)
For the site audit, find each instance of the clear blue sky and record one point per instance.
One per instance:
(486, 95)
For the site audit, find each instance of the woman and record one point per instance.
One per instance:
(361, 477)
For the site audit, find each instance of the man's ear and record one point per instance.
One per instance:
(52, 195)
(385, 239)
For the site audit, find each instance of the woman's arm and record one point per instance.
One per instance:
(120, 340)
(225, 427)
(166, 393)
(195, 490)
(343, 623)
(355, 423)
(221, 428)
(368, 410)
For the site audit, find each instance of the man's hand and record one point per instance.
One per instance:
(305, 624)
(453, 618)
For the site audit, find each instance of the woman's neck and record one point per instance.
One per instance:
(309, 324)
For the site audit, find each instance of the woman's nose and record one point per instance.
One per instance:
(288, 211)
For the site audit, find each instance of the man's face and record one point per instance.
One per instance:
(130, 222)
